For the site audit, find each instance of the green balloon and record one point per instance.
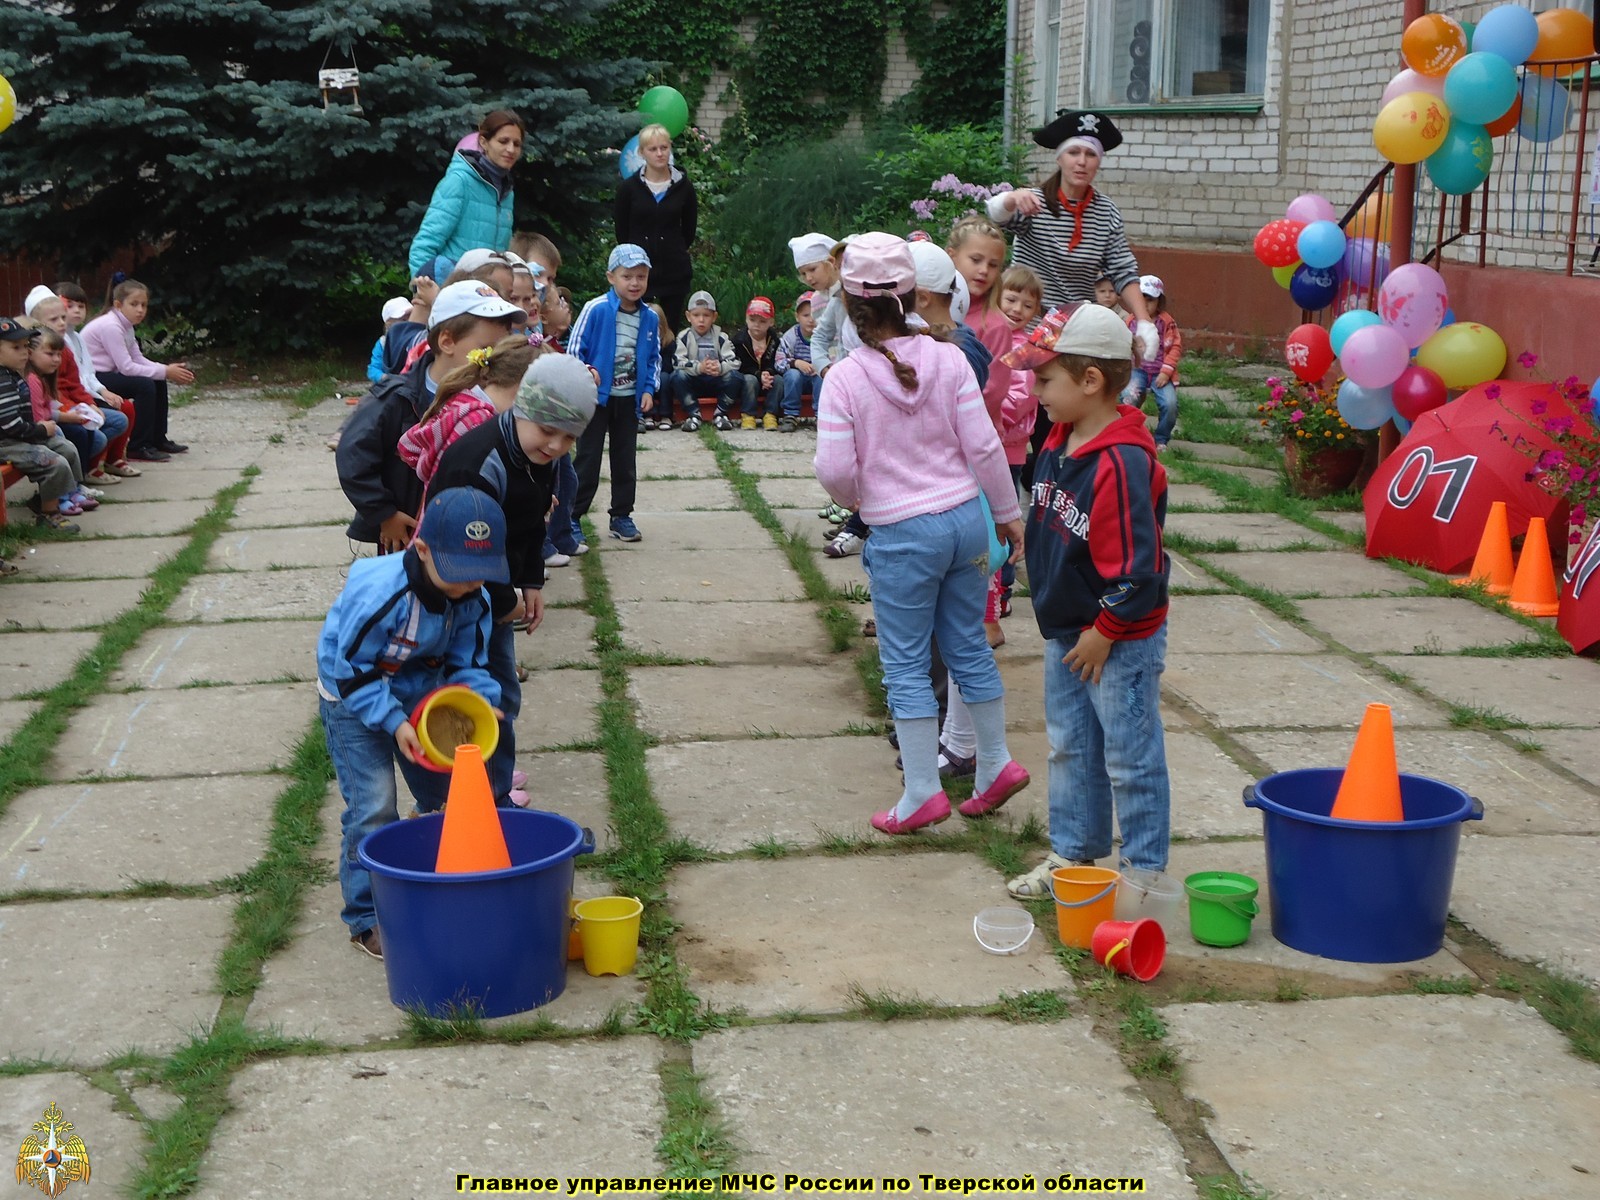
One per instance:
(666, 106)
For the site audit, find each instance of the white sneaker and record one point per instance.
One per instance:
(845, 544)
(90, 491)
(582, 549)
(722, 422)
(558, 559)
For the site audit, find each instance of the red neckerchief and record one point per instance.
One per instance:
(1077, 211)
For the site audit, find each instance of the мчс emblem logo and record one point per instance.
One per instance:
(59, 1159)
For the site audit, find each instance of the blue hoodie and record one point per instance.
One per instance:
(593, 342)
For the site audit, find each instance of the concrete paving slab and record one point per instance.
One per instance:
(241, 652)
(697, 531)
(767, 632)
(1249, 531)
(64, 605)
(1413, 624)
(302, 594)
(1255, 475)
(106, 836)
(702, 575)
(677, 466)
(1577, 751)
(101, 558)
(185, 732)
(309, 474)
(1275, 691)
(781, 464)
(566, 635)
(1193, 496)
(674, 496)
(162, 482)
(486, 1108)
(1540, 691)
(793, 492)
(1322, 1099)
(1494, 877)
(1187, 573)
(1519, 794)
(1354, 522)
(115, 1140)
(687, 703)
(728, 796)
(273, 549)
(151, 983)
(154, 518)
(1213, 452)
(14, 715)
(558, 708)
(1316, 573)
(267, 509)
(911, 1097)
(744, 947)
(573, 784)
(1233, 625)
(803, 519)
(36, 661)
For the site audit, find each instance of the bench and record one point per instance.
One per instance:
(8, 476)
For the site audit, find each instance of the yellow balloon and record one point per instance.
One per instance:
(1285, 275)
(1464, 354)
(1370, 223)
(8, 104)
(1410, 127)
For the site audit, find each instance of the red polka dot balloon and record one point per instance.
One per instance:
(1277, 243)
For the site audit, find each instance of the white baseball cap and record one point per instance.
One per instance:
(470, 296)
(482, 257)
(936, 270)
(1090, 330)
(397, 309)
(1151, 285)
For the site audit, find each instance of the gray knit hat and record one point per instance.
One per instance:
(558, 392)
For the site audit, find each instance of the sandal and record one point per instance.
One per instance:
(1035, 885)
(125, 469)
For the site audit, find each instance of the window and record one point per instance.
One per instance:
(1048, 55)
(1175, 51)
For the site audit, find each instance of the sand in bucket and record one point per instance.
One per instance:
(449, 728)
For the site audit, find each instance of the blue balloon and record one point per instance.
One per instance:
(1462, 161)
(1449, 318)
(1347, 323)
(1365, 408)
(1366, 263)
(1544, 109)
(631, 162)
(1480, 88)
(1510, 32)
(1321, 244)
(1313, 288)
(1594, 392)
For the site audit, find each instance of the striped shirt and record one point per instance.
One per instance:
(1041, 243)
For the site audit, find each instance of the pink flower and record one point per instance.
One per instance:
(1492, 391)
(1539, 407)
(1527, 360)
(1297, 415)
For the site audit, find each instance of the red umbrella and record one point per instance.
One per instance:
(1428, 501)
(1579, 618)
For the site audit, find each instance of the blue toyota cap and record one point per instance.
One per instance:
(466, 533)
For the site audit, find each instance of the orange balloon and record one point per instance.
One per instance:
(1564, 33)
(1368, 223)
(1432, 44)
(1501, 126)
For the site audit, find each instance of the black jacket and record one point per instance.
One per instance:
(371, 471)
(665, 228)
(745, 350)
(490, 459)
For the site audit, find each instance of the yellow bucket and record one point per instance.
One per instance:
(609, 926)
(1085, 896)
(574, 931)
(467, 705)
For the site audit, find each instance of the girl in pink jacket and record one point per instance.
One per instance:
(122, 367)
(466, 398)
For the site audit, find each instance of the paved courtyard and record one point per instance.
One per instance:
(811, 1001)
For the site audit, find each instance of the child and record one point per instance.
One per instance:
(757, 352)
(382, 487)
(114, 352)
(397, 309)
(402, 626)
(705, 365)
(36, 448)
(936, 293)
(466, 398)
(76, 301)
(1021, 301)
(556, 313)
(902, 433)
(81, 428)
(541, 255)
(818, 269)
(1106, 294)
(1099, 577)
(72, 396)
(621, 339)
(662, 417)
(1160, 374)
(978, 249)
(792, 363)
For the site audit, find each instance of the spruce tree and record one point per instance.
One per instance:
(196, 129)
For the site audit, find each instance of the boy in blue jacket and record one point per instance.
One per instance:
(1098, 574)
(619, 338)
(404, 625)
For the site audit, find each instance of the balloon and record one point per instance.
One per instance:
(1432, 43)
(1412, 302)
(1449, 318)
(1412, 81)
(1564, 33)
(1364, 407)
(1366, 262)
(1462, 161)
(1321, 244)
(1504, 125)
(8, 104)
(1275, 244)
(1311, 207)
(1544, 109)
(1308, 352)
(666, 106)
(1464, 354)
(1410, 127)
(1374, 357)
(1373, 219)
(1313, 288)
(1285, 274)
(1510, 32)
(1416, 391)
(630, 162)
(1348, 323)
(1400, 423)
(1480, 88)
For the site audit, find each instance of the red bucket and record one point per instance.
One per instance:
(1136, 948)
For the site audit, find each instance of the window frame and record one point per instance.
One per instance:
(1162, 15)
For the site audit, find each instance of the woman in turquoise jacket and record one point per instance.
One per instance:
(472, 207)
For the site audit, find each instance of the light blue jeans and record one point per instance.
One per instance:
(1107, 750)
(797, 384)
(929, 575)
(1166, 402)
(503, 667)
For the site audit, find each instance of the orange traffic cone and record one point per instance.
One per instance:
(1492, 564)
(472, 839)
(1370, 790)
(1533, 591)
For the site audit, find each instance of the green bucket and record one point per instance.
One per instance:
(1221, 907)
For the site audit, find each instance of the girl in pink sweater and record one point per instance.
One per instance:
(902, 435)
(122, 366)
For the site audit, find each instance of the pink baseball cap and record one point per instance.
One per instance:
(878, 264)
(760, 306)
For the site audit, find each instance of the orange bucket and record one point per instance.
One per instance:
(1085, 896)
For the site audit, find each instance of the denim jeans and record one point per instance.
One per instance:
(755, 401)
(559, 535)
(929, 575)
(364, 760)
(90, 443)
(1107, 750)
(797, 384)
(1166, 402)
(503, 667)
(688, 389)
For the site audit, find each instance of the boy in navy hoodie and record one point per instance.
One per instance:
(1098, 574)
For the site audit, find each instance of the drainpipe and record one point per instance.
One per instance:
(1008, 104)
(1402, 216)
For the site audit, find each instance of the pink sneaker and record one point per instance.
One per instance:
(935, 808)
(518, 797)
(1011, 780)
(519, 779)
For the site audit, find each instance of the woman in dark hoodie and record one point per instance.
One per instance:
(472, 207)
(657, 209)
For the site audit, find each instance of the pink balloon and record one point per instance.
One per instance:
(1311, 207)
(1412, 81)
(1374, 357)
(1412, 301)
